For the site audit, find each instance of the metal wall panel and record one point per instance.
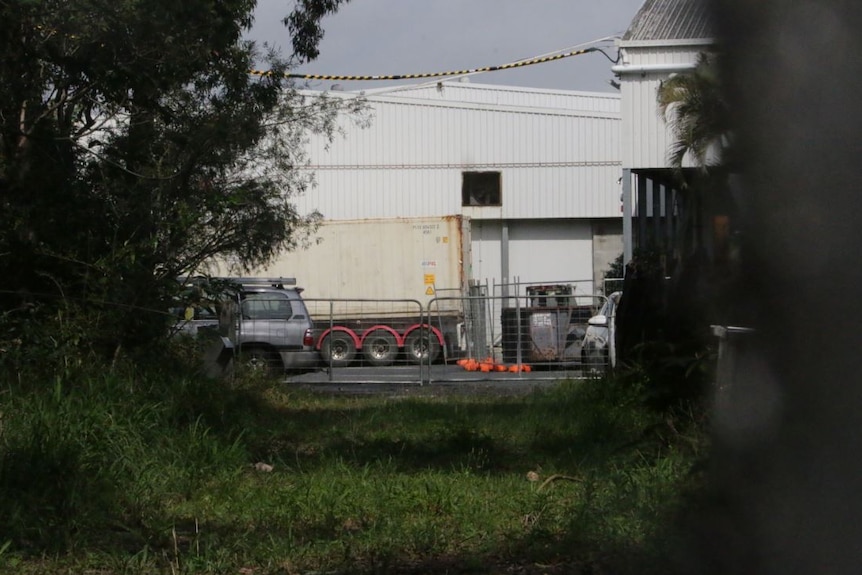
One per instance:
(455, 91)
(539, 252)
(487, 250)
(646, 138)
(557, 251)
(555, 163)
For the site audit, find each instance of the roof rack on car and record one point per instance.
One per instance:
(276, 282)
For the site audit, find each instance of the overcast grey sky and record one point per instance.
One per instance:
(386, 37)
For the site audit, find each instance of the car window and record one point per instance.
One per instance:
(604, 309)
(266, 306)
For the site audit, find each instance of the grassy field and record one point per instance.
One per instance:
(147, 474)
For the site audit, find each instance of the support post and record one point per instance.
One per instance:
(627, 216)
(641, 191)
(504, 257)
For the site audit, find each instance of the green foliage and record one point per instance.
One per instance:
(616, 269)
(144, 474)
(134, 147)
(675, 373)
(81, 459)
(613, 276)
(694, 107)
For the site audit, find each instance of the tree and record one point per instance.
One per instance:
(135, 145)
(694, 107)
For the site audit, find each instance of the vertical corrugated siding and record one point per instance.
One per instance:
(554, 164)
(646, 137)
(558, 251)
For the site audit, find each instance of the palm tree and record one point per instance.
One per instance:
(693, 105)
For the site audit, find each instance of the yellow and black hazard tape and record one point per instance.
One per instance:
(520, 64)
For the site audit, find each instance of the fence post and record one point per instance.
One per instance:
(330, 336)
(425, 326)
(477, 340)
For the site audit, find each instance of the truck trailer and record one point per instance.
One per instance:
(368, 283)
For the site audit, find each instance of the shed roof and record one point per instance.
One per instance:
(670, 20)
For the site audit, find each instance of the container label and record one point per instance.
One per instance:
(429, 279)
(426, 228)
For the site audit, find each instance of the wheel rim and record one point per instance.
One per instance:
(421, 347)
(256, 361)
(338, 350)
(380, 348)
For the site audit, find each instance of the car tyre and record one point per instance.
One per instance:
(379, 348)
(259, 359)
(338, 349)
(422, 346)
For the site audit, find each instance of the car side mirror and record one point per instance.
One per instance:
(598, 320)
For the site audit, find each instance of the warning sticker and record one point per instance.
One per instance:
(429, 279)
(429, 291)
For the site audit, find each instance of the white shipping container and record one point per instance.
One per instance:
(391, 259)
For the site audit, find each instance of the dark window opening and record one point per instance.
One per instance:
(481, 189)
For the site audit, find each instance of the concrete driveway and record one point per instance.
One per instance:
(443, 380)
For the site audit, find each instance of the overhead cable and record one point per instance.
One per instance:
(519, 64)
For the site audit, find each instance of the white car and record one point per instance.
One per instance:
(598, 351)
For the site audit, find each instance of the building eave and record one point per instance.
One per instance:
(667, 43)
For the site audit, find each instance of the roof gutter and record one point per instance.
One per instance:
(644, 69)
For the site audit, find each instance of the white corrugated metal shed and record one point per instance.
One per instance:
(664, 37)
(558, 153)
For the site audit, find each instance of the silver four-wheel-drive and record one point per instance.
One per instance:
(264, 319)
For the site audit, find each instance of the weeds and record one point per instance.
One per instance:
(143, 474)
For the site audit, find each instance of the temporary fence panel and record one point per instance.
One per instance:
(541, 329)
(497, 331)
(354, 333)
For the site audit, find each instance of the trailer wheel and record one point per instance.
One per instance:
(379, 348)
(338, 348)
(422, 346)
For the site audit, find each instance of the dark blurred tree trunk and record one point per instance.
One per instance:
(786, 473)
